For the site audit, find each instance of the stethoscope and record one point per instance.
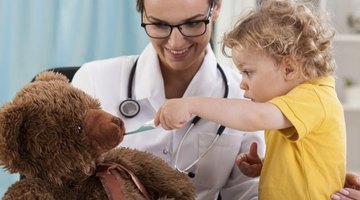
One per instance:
(130, 108)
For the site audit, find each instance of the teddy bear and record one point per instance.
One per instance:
(66, 146)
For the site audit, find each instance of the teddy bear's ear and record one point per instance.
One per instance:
(51, 76)
(11, 121)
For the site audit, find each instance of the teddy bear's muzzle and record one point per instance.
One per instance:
(103, 130)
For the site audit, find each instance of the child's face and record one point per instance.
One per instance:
(262, 77)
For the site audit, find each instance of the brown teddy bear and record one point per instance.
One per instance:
(64, 144)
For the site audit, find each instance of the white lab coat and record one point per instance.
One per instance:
(107, 80)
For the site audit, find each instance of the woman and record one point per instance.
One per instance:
(178, 62)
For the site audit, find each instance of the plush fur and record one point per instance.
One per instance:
(56, 135)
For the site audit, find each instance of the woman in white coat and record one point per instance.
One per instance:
(177, 64)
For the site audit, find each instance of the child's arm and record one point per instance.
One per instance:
(233, 113)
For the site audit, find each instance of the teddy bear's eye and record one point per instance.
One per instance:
(79, 128)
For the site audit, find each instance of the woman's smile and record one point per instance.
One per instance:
(178, 53)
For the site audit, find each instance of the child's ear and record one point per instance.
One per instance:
(291, 69)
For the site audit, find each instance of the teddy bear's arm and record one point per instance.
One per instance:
(27, 189)
(158, 178)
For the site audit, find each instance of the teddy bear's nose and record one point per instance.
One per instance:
(118, 122)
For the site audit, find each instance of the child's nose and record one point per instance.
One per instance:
(244, 85)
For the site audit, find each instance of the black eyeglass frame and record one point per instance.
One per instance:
(178, 26)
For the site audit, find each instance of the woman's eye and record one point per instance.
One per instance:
(160, 26)
(193, 24)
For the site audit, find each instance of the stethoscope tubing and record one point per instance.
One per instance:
(196, 119)
(129, 108)
(193, 123)
(199, 158)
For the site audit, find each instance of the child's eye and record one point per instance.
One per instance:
(245, 73)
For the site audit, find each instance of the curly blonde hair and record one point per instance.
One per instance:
(284, 28)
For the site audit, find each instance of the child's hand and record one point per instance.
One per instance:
(250, 163)
(173, 114)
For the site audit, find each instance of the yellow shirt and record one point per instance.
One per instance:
(306, 161)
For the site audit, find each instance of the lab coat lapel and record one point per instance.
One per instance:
(204, 82)
(148, 80)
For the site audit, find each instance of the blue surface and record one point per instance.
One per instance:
(36, 35)
(6, 180)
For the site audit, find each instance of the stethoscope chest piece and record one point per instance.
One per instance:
(129, 108)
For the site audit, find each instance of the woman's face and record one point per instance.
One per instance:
(178, 52)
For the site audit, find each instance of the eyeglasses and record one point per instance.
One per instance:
(188, 29)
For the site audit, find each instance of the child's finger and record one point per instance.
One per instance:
(253, 150)
(240, 158)
(156, 118)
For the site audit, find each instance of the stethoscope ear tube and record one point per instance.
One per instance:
(195, 120)
(220, 130)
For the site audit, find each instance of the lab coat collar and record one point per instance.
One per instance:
(203, 82)
(149, 82)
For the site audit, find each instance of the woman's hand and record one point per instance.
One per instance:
(250, 163)
(351, 190)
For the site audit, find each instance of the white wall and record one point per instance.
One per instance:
(230, 11)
